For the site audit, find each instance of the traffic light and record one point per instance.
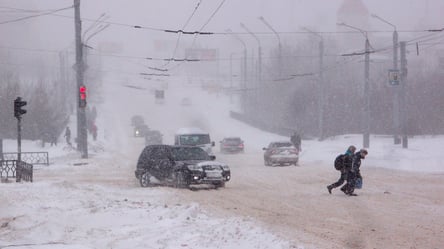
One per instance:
(82, 96)
(18, 104)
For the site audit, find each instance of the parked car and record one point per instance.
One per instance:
(231, 145)
(153, 137)
(179, 166)
(281, 152)
(141, 130)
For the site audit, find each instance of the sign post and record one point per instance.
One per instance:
(394, 77)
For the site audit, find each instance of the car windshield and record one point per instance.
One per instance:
(195, 139)
(188, 153)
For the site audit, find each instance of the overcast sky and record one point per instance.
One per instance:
(284, 15)
(55, 32)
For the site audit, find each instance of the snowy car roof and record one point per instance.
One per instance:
(190, 130)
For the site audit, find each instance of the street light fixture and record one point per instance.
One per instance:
(366, 108)
(363, 32)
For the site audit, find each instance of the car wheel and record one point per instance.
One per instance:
(144, 180)
(181, 181)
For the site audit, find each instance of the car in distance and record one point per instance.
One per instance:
(194, 136)
(281, 152)
(231, 145)
(153, 137)
(180, 166)
(141, 130)
(137, 120)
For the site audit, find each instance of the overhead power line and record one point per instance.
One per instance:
(203, 26)
(36, 15)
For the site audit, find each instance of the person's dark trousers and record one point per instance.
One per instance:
(339, 182)
(350, 186)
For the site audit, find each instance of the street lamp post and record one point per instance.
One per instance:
(244, 74)
(321, 105)
(279, 43)
(259, 67)
(259, 51)
(366, 108)
(396, 106)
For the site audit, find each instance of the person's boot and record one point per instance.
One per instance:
(344, 190)
(329, 188)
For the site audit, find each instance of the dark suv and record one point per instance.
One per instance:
(179, 166)
(231, 144)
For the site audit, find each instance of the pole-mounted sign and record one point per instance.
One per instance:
(394, 77)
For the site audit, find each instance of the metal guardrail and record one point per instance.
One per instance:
(7, 168)
(16, 169)
(29, 157)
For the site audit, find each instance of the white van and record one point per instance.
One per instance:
(194, 137)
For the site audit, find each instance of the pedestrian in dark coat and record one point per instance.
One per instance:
(355, 171)
(53, 137)
(347, 165)
(68, 136)
(296, 140)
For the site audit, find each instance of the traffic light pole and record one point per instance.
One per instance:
(19, 148)
(82, 136)
(403, 105)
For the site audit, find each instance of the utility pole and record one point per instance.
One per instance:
(321, 105)
(396, 124)
(82, 136)
(279, 43)
(366, 108)
(366, 137)
(396, 139)
(259, 66)
(244, 72)
(321, 90)
(403, 94)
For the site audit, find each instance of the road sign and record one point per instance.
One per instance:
(394, 77)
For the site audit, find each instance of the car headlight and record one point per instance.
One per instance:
(225, 168)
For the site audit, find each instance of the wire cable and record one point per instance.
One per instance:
(203, 26)
(37, 15)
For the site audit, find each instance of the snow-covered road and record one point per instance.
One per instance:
(97, 202)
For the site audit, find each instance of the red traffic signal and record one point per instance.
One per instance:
(82, 96)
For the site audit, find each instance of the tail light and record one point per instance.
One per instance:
(241, 145)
